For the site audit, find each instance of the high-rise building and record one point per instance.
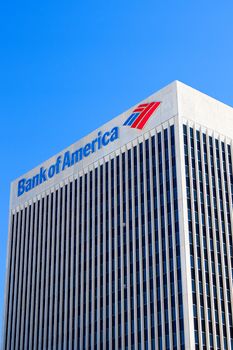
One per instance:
(124, 239)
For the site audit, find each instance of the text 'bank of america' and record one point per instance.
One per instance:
(124, 239)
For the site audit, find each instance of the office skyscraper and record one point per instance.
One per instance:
(124, 239)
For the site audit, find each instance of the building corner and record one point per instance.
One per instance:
(184, 236)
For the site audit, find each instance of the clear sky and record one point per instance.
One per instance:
(67, 67)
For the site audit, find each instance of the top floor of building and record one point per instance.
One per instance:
(175, 103)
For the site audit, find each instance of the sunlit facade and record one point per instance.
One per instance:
(124, 240)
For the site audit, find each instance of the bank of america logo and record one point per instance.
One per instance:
(141, 115)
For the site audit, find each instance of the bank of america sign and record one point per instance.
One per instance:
(137, 120)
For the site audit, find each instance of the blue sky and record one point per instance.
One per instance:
(66, 67)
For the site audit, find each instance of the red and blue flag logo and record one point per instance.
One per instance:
(141, 115)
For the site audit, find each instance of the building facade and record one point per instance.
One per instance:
(124, 240)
